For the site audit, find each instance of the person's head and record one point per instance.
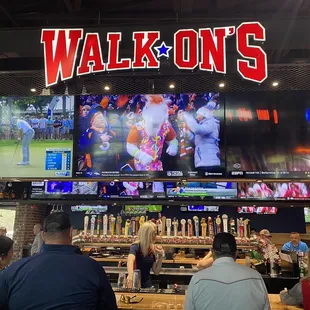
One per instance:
(3, 231)
(146, 237)
(206, 111)
(265, 234)
(57, 229)
(6, 251)
(85, 110)
(295, 238)
(37, 229)
(224, 245)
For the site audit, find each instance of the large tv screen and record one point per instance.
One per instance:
(160, 135)
(128, 190)
(286, 191)
(64, 190)
(36, 136)
(209, 190)
(268, 134)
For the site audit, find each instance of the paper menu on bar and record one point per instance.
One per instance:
(286, 257)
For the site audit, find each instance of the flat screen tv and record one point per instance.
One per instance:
(162, 135)
(129, 190)
(269, 191)
(268, 134)
(45, 126)
(258, 210)
(209, 190)
(64, 190)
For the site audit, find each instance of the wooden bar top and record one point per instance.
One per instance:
(190, 261)
(161, 301)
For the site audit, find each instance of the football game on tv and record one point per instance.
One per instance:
(150, 135)
(267, 136)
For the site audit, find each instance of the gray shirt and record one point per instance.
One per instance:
(227, 285)
(37, 244)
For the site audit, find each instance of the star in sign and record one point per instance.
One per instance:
(163, 50)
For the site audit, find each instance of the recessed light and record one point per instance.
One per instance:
(222, 85)
(171, 86)
(33, 90)
(107, 87)
(275, 84)
(116, 180)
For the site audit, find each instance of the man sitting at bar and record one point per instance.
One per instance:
(59, 277)
(295, 245)
(226, 284)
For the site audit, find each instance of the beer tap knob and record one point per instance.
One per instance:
(168, 223)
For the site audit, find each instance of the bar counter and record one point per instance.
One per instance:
(162, 301)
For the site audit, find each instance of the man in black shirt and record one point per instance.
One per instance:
(59, 277)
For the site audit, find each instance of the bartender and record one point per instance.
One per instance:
(144, 255)
(295, 245)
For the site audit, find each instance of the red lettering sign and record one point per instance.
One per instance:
(205, 47)
(258, 71)
(60, 50)
(186, 56)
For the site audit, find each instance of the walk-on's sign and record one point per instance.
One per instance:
(204, 49)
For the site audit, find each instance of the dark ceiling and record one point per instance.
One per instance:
(287, 24)
(34, 13)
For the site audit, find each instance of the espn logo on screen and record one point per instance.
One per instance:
(237, 173)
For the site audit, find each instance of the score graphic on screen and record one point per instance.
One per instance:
(36, 136)
(160, 135)
(59, 160)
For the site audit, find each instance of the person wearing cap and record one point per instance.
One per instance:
(265, 235)
(295, 245)
(226, 284)
(26, 134)
(59, 277)
(205, 131)
(6, 251)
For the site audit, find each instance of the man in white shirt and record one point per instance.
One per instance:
(226, 284)
(38, 241)
(26, 134)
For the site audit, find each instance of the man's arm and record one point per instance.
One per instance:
(286, 247)
(107, 299)
(206, 262)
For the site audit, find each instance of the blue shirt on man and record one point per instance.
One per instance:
(59, 277)
(301, 247)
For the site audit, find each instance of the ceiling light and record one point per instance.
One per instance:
(106, 87)
(116, 180)
(221, 85)
(275, 84)
(33, 90)
(171, 86)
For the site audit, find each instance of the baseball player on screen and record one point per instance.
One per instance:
(26, 134)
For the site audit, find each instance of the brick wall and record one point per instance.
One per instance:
(26, 217)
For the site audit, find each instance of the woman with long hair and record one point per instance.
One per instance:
(6, 251)
(142, 255)
(294, 296)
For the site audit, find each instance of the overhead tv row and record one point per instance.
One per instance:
(166, 190)
(255, 135)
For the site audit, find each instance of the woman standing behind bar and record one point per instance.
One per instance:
(142, 255)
